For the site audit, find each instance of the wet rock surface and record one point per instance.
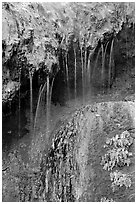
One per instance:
(71, 170)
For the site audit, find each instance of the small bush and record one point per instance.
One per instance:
(104, 199)
(119, 179)
(119, 155)
(124, 140)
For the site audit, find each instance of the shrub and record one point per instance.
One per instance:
(119, 155)
(119, 179)
(124, 140)
(104, 199)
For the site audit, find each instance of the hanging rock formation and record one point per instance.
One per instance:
(33, 33)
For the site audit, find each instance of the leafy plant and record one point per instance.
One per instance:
(104, 199)
(119, 154)
(119, 179)
(124, 140)
(116, 157)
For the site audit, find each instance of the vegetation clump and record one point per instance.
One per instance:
(119, 179)
(104, 199)
(119, 155)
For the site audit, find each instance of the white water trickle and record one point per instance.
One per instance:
(82, 72)
(67, 75)
(37, 108)
(47, 107)
(50, 92)
(103, 63)
(95, 65)
(89, 70)
(102, 71)
(75, 80)
(19, 104)
(85, 69)
(31, 102)
(110, 62)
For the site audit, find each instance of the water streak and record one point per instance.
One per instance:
(110, 63)
(82, 72)
(85, 67)
(102, 71)
(48, 101)
(103, 62)
(50, 92)
(19, 102)
(38, 104)
(37, 145)
(95, 65)
(31, 102)
(75, 80)
(67, 75)
(88, 69)
(47, 107)
(105, 52)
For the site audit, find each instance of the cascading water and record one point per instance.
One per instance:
(103, 62)
(40, 137)
(47, 106)
(110, 62)
(31, 101)
(75, 78)
(67, 75)
(38, 104)
(105, 52)
(85, 68)
(82, 72)
(95, 65)
(102, 71)
(19, 103)
(89, 70)
(50, 92)
(48, 89)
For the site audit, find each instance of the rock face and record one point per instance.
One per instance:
(71, 168)
(71, 171)
(34, 33)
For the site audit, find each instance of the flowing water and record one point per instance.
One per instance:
(67, 75)
(50, 93)
(85, 69)
(82, 73)
(41, 125)
(103, 63)
(75, 77)
(95, 64)
(47, 107)
(110, 62)
(48, 115)
(37, 108)
(105, 52)
(19, 103)
(102, 71)
(88, 71)
(48, 101)
(88, 78)
(31, 101)
(46, 121)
